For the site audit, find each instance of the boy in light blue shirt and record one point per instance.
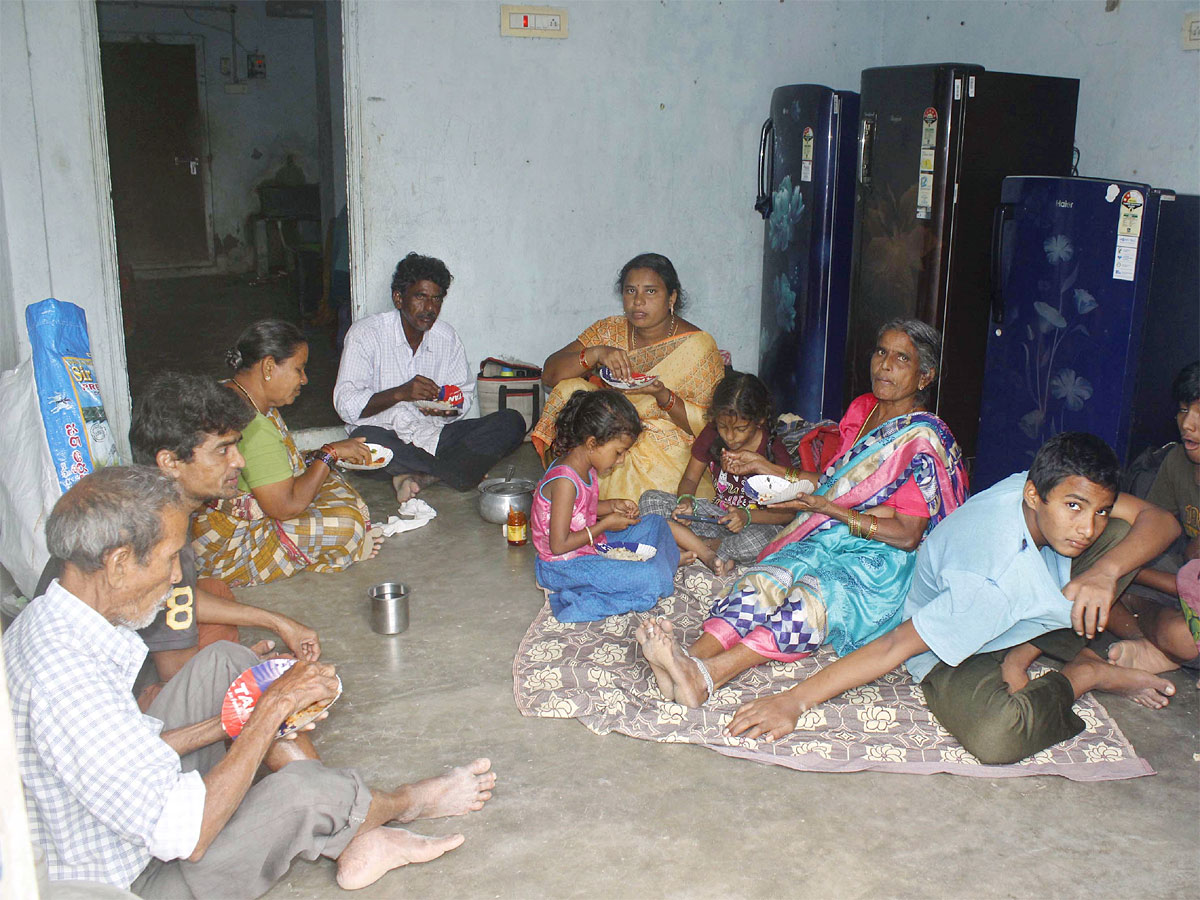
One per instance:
(1032, 564)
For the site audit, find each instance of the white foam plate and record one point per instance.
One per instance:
(768, 489)
(637, 381)
(436, 404)
(380, 457)
(643, 552)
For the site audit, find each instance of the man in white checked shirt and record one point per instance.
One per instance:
(155, 801)
(394, 362)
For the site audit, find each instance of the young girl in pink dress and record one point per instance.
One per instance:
(593, 432)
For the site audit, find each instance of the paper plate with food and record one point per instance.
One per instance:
(437, 404)
(626, 550)
(380, 457)
(636, 380)
(450, 397)
(248, 687)
(768, 489)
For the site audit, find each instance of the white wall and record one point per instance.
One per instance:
(1139, 90)
(450, 112)
(536, 168)
(58, 231)
(251, 134)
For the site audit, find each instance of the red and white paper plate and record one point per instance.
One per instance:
(636, 380)
(246, 689)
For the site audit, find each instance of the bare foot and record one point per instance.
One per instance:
(406, 487)
(375, 536)
(1015, 675)
(661, 649)
(372, 854)
(1140, 687)
(686, 558)
(709, 559)
(1141, 654)
(666, 686)
(723, 567)
(458, 792)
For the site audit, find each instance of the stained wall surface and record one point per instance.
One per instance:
(537, 167)
(1138, 90)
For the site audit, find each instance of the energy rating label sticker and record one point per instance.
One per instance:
(1132, 205)
(929, 120)
(929, 128)
(806, 154)
(1129, 229)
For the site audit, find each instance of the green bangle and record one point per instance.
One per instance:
(691, 497)
(749, 516)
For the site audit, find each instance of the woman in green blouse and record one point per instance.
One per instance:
(290, 514)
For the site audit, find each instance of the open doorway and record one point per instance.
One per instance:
(227, 157)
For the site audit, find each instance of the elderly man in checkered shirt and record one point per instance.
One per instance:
(155, 801)
(395, 365)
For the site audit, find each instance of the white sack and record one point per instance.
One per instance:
(28, 483)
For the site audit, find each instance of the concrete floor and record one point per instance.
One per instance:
(577, 815)
(187, 324)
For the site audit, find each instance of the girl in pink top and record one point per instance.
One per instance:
(594, 431)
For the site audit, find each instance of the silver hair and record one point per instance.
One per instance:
(927, 340)
(119, 506)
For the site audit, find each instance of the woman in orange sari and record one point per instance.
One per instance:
(651, 338)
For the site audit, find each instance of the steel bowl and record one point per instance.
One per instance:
(497, 497)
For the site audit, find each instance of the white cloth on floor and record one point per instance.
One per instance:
(418, 513)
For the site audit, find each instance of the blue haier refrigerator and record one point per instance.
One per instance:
(806, 195)
(1072, 265)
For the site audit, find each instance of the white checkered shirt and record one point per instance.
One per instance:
(102, 791)
(377, 357)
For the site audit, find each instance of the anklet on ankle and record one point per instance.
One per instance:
(708, 682)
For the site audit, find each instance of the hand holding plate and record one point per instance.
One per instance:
(353, 450)
(617, 361)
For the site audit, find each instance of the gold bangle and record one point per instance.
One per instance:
(591, 539)
(874, 527)
(852, 523)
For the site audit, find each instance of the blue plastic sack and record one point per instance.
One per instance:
(77, 429)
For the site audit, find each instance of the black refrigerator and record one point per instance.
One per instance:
(935, 142)
(806, 194)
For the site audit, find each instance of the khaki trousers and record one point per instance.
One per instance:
(304, 809)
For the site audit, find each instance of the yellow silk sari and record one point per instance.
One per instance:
(691, 366)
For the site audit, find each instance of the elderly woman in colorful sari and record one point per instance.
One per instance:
(651, 338)
(840, 571)
(289, 513)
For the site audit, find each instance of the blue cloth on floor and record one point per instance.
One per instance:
(589, 588)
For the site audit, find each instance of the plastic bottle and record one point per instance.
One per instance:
(517, 529)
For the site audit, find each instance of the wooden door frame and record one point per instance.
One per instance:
(197, 41)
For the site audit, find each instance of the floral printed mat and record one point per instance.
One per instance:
(595, 672)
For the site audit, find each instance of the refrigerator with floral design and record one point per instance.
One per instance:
(806, 195)
(1077, 329)
(935, 141)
